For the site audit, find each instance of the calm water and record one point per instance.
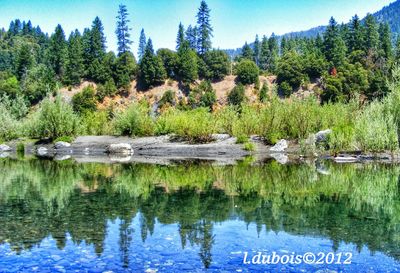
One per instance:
(69, 217)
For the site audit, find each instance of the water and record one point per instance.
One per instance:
(196, 217)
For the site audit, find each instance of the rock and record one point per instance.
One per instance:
(345, 159)
(62, 144)
(5, 148)
(4, 154)
(120, 148)
(62, 157)
(221, 137)
(280, 158)
(281, 146)
(41, 151)
(322, 136)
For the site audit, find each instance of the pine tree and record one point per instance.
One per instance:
(24, 60)
(264, 54)
(334, 46)
(274, 52)
(125, 69)
(204, 29)
(284, 45)
(398, 49)
(187, 64)
(122, 30)
(57, 51)
(142, 44)
(371, 37)
(180, 37)
(257, 48)
(247, 52)
(151, 69)
(191, 36)
(74, 68)
(355, 37)
(385, 44)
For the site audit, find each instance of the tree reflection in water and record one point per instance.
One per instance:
(357, 204)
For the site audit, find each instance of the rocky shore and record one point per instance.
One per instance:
(167, 149)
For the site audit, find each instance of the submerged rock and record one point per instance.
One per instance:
(5, 148)
(120, 148)
(62, 144)
(281, 146)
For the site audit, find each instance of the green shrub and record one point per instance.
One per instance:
(134, 121)
(264, 93)
(247, 72)
(203, 95)
(341, 138)
(226, 118)
(107, 90)
(217, 62)
(84, 101)
(54, 119)
(9, 125)
(196, 126)
(249, 146)
(237, 95)
(285, 89)
(375, 129)
(96, 123)
(248, 122)
(167, 98)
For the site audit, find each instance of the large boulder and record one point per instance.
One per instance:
(61, 145)
(120, 148)
(322, 136)
(281, 146)
(5, 148)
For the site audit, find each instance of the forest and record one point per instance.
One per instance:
(350, 70)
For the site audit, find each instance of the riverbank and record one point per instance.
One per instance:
(168, 149)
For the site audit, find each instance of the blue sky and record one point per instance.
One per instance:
(234, 21)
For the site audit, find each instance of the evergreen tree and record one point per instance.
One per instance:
(355, 38)
(125, 69)
(273, 52)
(191, 37)
(180, 37)
(247, 52)
(187, 64)
(151, 69)
(264, 54)
(24, 60)
(284, 45)
(74, 69)
(57, 51)
(142, 44)
(122, 30)
(257, 49)
(334, 46)
(371, 38)
(398, 49)
(204, 29)
(385, 44)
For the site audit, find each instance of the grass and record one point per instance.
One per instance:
(249, 146)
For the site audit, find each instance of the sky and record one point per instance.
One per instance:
(234, 21)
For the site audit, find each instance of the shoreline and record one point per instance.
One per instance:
(168, 150)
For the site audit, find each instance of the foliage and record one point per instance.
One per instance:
(217, 62)
(85, 101)
(202, 95)
(95, 123)
(168, 98)
(107, 90)
(237, 95)
(247, 72)
(54, 119)
(196, 126)
(152, 71)
(264, 93)
(134, 121)
(249, 146)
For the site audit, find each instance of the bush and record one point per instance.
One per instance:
(96, 123)
(203, 95)
(248, 123)
(54, 119)
(247, 72)
(376, 130)
(195, 126)
(68, 139)
(249, 146)
(226, 118)
(264, 93)
(134, 121)
(9, 124)
(84, 101)
(167, 98)
(285, 89)
(237, 96)
(107, 90)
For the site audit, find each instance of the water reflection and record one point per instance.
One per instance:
(352, 204)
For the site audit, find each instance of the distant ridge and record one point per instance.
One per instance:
(389, 14)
